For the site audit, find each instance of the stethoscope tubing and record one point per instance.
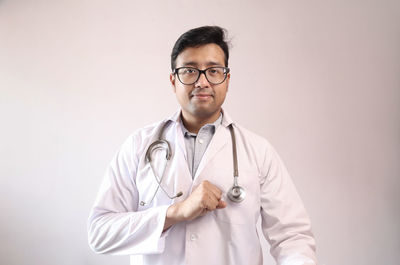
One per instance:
(236, 193)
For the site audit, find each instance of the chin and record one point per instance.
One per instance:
(204, 113)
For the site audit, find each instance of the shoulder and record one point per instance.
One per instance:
(245, 135)
(151, 131)
(250, 137)
(257, 148)
(142, 136)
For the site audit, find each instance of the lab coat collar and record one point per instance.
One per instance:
(226, 119)
(219, 140)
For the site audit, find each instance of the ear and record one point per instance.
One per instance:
(172, 80)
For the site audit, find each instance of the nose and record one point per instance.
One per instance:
(202, 81)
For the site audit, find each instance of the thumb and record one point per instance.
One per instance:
(221, 204)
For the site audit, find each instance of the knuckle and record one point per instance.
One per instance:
(204, 197)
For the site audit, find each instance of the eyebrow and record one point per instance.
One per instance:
(209, 63)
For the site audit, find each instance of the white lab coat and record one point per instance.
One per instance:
(118, 224)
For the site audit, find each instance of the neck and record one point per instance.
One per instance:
(194, 123)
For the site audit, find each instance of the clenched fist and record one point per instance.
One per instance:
(204, 198)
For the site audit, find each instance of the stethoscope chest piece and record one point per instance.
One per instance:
(236, 194)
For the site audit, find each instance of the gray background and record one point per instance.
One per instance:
(319, 79)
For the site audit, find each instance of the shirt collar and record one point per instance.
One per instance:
(226, 119)
(215, 125)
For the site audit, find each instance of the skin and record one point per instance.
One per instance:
(201, 104)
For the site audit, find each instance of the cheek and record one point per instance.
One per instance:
(181, 94)
(222, 93)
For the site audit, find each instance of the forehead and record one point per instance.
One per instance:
(205, 55)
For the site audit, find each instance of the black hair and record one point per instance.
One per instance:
(198, 37)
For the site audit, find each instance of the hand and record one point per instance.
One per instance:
(205, 198)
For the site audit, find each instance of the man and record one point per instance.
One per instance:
(175, 201)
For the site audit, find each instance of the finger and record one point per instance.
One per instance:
(210, 202)
(214, 189)
(221, 204)
(204, 212)
(208, 192)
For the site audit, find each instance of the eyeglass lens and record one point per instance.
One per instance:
(214, 75)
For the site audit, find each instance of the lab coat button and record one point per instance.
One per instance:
(193, 237)
(201, 141)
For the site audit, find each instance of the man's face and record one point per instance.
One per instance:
(202, 99)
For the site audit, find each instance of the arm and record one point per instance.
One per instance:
(285, 222)
(115, 226)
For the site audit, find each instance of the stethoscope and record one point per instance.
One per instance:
(236, 193)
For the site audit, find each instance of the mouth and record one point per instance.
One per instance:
(202, 95)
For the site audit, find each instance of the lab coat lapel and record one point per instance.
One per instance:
(180, 153)
(180, 142)
(178, 135)
(219, 140)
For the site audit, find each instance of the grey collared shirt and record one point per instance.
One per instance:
(196, 144)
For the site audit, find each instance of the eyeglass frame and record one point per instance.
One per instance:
(226, 72)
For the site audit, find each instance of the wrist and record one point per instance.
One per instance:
(173, 213)
(172, 216)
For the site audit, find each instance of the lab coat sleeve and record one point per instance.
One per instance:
(285, 222)
(114, 225)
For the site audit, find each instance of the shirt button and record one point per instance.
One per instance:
(201, 141)
(193, 237)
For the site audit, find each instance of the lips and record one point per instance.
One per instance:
(202, 95)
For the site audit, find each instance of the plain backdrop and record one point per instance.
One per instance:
(319, 79)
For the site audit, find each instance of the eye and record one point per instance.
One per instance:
(215, 71)
(188, 71)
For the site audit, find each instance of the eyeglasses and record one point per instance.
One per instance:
(190, 75)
